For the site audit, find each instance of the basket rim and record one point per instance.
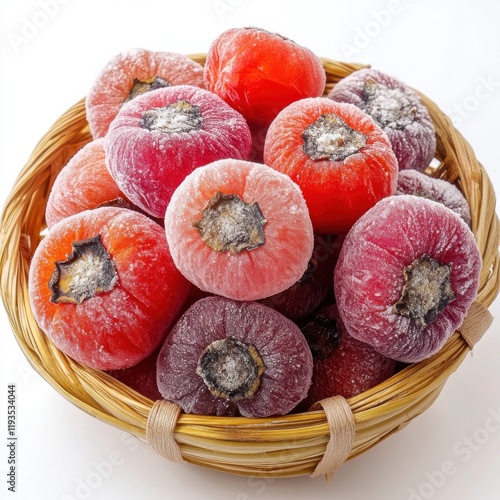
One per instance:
(213, 441)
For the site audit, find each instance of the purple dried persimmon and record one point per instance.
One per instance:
(132, 73)
(259, 73)
(406, 276)
(419, 184)
(226, 357)
(398, 110)
(163, 135)
(103, 287)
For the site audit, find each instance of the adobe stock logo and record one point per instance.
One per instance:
(223, 7)
(32, 25)
(98, 473)
(463, 450)
(364, 34)
(483, 90)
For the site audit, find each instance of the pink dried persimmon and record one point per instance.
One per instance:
(259, 73)
(337, 154)
(83, 183)
(406, 276)
(160, 137)
(131, 73)
(104, 288)
(239, 229)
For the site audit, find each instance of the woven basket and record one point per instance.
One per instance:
(275, 447)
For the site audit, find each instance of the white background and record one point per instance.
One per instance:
(448, 49)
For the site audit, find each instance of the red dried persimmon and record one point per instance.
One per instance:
(259, 73)
(104, 288)
(342, 365)
(407, 274)
(337, 154)
(131, 73)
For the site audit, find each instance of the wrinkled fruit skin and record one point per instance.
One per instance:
(283, 348)
(419, 184)
(352, 368)
(118, 328)
(369, 276)
(83, 183)
(114, 83)
(337, 192)
(259, 73)
(251, 274)
(413, 141)
(148, 165)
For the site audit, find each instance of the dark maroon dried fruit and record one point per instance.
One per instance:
(440, 190)
(226, 357)
(309, 292)
(345, 366)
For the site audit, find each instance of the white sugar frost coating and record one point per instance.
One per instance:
(280, 344)
(250, 274)
(116, 79)
(61, 202)
(397, 108)
(148, 164)
(420, 184)
(369, 278)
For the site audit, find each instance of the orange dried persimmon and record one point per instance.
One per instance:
(341, 159)
(259, 73)
(104, 288)
(84, 183)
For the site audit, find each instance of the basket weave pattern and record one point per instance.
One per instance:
(275, 447)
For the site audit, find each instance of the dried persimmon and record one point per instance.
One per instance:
(337, 154)
(104, 288)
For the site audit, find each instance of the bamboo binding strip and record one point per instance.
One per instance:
(274, 447)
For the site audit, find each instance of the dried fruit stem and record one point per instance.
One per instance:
(322, 335)
(87, 272)
(331, 138)
(426, 292)
(231, 369)
(228, 224)
(388, 107)
(141, 87)
(178, 117)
